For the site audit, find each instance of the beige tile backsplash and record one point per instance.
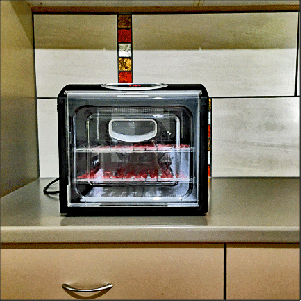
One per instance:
(224, 72)
(255, 136)
(254, 133)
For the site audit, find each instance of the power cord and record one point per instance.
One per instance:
(45, 190)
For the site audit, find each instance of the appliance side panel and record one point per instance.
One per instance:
(203, 158)
(63, 148)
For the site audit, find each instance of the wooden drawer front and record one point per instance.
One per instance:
(263, 272)
(194, 272)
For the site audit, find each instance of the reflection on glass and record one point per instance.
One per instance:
(124, 50)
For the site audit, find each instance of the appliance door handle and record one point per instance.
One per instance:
(134, 87)
(126, 123)
(69, 288)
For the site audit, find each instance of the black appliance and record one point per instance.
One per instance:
(133, 149)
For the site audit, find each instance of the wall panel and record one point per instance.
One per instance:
(19, 152)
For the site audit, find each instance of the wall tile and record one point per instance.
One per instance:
(255, 137)
(225, 73)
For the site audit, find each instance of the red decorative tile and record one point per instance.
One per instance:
(124, 35)
(125, 77)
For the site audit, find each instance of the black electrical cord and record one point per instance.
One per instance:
(45, 190)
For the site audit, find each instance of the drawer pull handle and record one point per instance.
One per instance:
(69, 288)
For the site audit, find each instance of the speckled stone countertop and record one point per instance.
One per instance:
(240, 210)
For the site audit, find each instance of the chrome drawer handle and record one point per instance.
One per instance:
(69, 288)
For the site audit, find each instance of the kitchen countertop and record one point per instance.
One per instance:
(240, 210)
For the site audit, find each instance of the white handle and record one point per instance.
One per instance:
(133, 138)
(133, 87)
